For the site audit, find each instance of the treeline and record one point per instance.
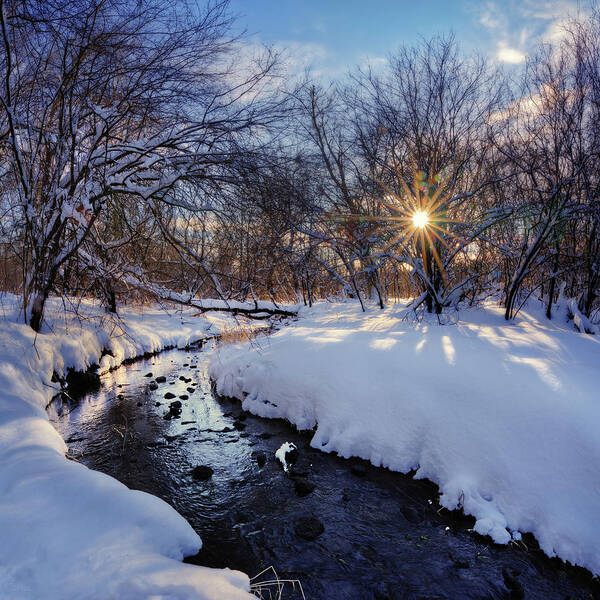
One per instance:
(147, 153)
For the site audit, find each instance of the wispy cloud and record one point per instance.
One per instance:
(514, 27)
(491, 17)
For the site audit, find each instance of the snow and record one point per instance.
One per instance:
(281, 453)
(67, 531)
(503, 416)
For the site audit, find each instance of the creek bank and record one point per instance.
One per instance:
(383, 532)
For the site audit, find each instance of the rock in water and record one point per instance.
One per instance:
(202, 472)
(80, 383)
(412, 515)
(161, 379)
(303, 487)
(510, 581)
(168, 395)
(309, 528)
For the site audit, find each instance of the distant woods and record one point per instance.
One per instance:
(147, 152)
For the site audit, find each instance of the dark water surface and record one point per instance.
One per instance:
(384, 534)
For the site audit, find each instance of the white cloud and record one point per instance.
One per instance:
(513, 28)
(509, 55)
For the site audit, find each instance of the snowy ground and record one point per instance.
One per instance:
(504, 417)
(68, 532)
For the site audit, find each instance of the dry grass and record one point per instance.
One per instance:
(233, 335)
(268, 586)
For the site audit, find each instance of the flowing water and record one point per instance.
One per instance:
(361, 532)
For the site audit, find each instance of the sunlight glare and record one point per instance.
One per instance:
(420, 219)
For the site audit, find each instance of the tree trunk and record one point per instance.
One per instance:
(37, 310)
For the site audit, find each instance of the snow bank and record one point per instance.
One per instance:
(69, 532)
(504, 417)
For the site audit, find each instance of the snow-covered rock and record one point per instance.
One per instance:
(286, 454)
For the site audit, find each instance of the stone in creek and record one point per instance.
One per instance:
(120, 396)
(185, 364)
(191, 390)
(261, 459)
(148, 374)
(74, 439)
(182, 378)
(291, 456)
(171, 383)
(303, 487)
(188, 423)
(244, 434)
(153, 386)
(193, 367)
(239, 425)
(412, 515)
(202, 472)
(140, 403)
(168, 395)
(175, 404)
(308, 528)
(157, 404)
(184, 396)
(161, 379)
(510, 581)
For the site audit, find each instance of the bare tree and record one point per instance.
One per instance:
(104, 99)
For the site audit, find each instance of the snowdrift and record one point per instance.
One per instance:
(67, 531)
(504, 417)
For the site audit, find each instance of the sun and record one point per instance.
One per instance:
(420, 219)
(417, 218)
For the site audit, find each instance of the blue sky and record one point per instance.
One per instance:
(333, 35)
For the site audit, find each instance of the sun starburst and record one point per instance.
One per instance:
(417, 218)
